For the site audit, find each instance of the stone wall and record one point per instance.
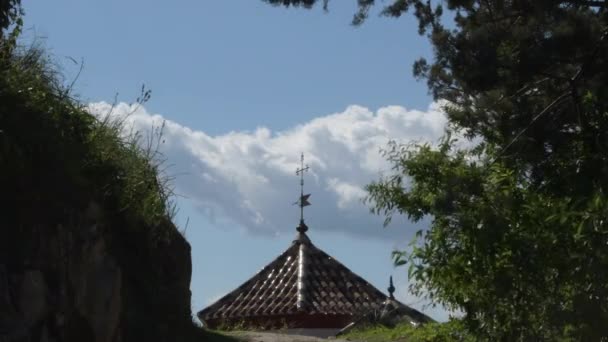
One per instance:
(89, 279)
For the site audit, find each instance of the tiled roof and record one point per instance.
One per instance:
(392, 310)
(302, 280)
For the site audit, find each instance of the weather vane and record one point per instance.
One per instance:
(303, 201)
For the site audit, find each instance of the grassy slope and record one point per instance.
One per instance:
(380, 334)
(432, 332)
(56, 158)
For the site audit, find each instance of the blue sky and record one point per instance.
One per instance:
(245, 88)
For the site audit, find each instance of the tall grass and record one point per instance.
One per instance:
(452, 331)
(44, 127)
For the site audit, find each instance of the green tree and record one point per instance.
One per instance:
(519, 239)
(10, 10)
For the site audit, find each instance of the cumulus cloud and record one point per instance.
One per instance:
(247, 179)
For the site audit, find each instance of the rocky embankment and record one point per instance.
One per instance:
(88, 251)
(86, 280)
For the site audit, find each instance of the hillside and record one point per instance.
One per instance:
(88, 251)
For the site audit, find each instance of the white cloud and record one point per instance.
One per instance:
(248, 177)
(347, 193)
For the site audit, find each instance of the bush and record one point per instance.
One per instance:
(62, 154)
(452, 331)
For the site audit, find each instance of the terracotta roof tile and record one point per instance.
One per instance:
(302, 280)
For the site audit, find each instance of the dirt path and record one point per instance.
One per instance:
(274, 337)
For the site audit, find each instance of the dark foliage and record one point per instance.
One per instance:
(9, 13)
(519, 234)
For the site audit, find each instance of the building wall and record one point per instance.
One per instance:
(296, 321)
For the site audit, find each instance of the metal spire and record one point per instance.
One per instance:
(391, 289)
(303, 198)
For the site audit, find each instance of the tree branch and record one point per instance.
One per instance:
(555, 102)
(590, 3)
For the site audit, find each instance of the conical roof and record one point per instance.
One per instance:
(302, 281)
(394, 312)
(303, 287)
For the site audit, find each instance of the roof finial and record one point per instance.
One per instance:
(391, 289)
(303, 201)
